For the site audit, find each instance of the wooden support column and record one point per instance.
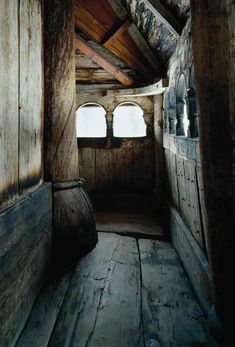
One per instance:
(61, 154)
(212, 42)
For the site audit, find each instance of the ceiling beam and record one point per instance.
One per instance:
(153, 89)
(124, 26)
(160, 11)
(145, 49)
(86, 49)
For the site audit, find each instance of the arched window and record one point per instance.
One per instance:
(91, 121)
(181, 107)
(128, 120)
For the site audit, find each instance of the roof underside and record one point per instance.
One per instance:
(125, 43)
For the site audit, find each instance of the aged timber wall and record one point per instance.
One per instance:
(25, 203)
(187, 220)
(21, 89)
(118, 166)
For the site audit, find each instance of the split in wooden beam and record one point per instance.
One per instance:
(153, 89)
(159, 10)
(86, 49)
(124, 26)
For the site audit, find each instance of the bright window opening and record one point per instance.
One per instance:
(91, 121)
(128, 121)
(186, 120)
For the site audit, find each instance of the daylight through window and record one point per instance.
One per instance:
(128, 121)
(91, 121)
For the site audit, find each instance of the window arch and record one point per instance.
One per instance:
(128, 120)
(181, 107)
(91, 121)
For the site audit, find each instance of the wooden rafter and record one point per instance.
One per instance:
(124, 26)
(118, 74)
(159, 10)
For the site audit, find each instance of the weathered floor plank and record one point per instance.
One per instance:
(38, 329)
(102, 306)
(171, 314)
(124, 293)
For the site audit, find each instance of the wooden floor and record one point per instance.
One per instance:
(126, 292)
(129, 224)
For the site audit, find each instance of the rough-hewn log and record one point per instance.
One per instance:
(61, 154)
(213, 66)
(61, 158)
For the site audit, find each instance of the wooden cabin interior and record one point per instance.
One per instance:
(117, 173)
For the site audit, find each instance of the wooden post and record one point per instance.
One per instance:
(61, 153)
(212, 42)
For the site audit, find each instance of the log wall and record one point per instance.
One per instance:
(21, 90)
(117, 166)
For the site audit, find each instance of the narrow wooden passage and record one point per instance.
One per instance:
(126, 292)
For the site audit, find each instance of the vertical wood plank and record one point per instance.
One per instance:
(87, 167)
(202, 205)
(104, 169)
(143, 168)
(31, 94)
(172, 177)
(123, 168)
(193, 216)
(9, 101)
(182, 188)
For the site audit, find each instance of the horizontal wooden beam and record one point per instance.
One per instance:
(86, 49)
(98, 75)
(153, 89)
(160, 11)
(124, 26)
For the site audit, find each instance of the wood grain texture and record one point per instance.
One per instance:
(37, 331)
(9, 102)
(141, 225)
(171, 176)
(143, 169)
(25, 238)
(104, 169)
(96, 310)
(169, 20)
(61, 157)
(123, 27)
(203, 207)
(31, 94)
(192, 197)
(183, 204)
(87, 167)
(193, 257)
(171, 316)
(123, 169)
(107, 65)
(211, 34)
(124, 293)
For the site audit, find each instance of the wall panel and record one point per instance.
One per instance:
(31, 94)
(9, 101)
